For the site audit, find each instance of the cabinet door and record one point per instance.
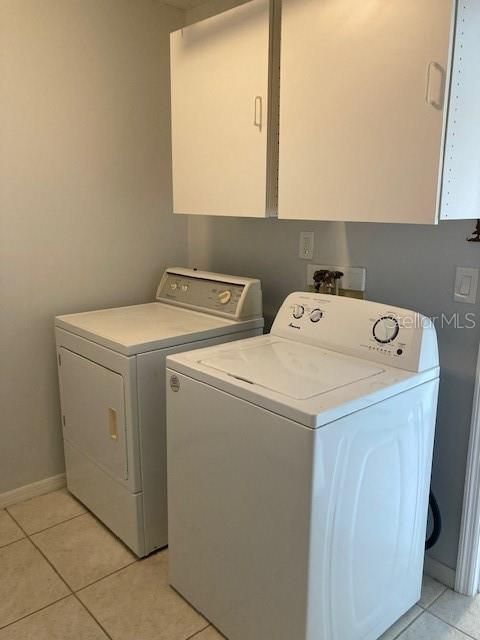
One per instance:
(219, 79)
(362, 108)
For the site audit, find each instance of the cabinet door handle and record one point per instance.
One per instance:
(435, 89)
(112, 424)
(258, 115)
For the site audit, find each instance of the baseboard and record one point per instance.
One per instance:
(439, 571)
(32, 490)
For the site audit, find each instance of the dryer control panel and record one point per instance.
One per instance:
(228, 296)
(369, 330)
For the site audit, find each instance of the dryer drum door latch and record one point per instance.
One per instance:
(112, 424)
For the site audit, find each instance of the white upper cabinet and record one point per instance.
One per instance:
(220, 114)
(364, 97)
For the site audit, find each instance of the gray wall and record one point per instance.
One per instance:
(85, 192)
(409, 266)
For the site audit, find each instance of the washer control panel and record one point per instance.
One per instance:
(390, 335)
(298, 311)
(229, 296)
(310, 311)
(386, 329)
(316, 315)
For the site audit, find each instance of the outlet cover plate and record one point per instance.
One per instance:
(305, 247)
(354, 278)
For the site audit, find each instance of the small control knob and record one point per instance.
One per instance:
(173, 286)
(386, 329)
(316, 315)
(184, 288)
(298, 311)
(224, 296)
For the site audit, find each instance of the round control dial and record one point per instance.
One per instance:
(173, 286)
(224, 296)
(316, 315)
(386, 329)
(298, 311)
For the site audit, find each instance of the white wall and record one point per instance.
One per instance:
(409, 266)
(85, 192)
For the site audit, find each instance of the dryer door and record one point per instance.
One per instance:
(93, 406)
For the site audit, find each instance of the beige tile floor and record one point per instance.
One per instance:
(63, 576)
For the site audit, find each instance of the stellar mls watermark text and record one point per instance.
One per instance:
(442, 321)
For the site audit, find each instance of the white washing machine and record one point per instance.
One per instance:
(111, 366)
(299, 469)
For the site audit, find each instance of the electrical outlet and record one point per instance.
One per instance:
(354, 278)
(305, 249)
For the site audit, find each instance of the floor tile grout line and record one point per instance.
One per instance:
(72, 592)
(44, 556)
(452, 626)
(52, 526)
(32, 613)
(435, 599)
(198, 632)
(92, 615)
(85, 606)
(34, 533)
(9, 544)
(399, 635)
(107, 575)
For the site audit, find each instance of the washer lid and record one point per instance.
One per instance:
(293, 369)
(308, 384)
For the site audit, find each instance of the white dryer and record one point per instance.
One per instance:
(111, 366)
(299, 469)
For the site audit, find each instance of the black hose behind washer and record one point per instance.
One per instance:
(437, 522)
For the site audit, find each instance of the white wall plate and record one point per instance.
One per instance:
(354, 278)
(466, 284)
(306, 243)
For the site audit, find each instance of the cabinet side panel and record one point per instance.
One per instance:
(220, 80)
(461, 175)
(274, 108)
